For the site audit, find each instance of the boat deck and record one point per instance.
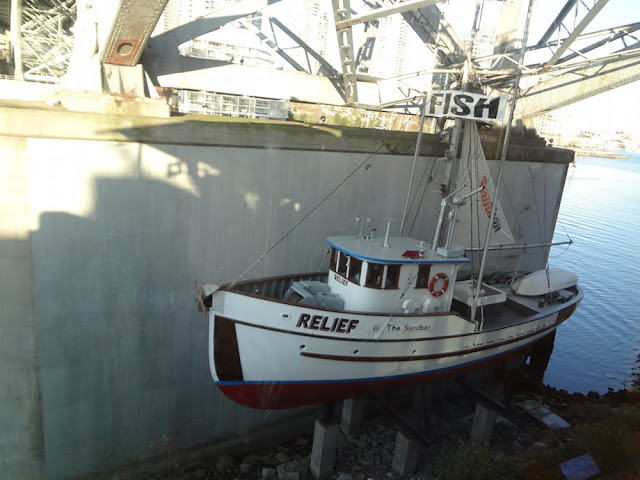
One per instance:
(510, 312)
(275, 287)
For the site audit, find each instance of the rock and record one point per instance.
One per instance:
(302, 467)
(540, 445)
(344, 476)
(350, 438)
(268, 473)
(224, 463)
(251, 458)
(281, 471)
(293, 476)
(290, 466)
(200, 473)
(282, 457)
(245, 467)
(301, 441)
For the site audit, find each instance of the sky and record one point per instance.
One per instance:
(616, 109)
(613, 110)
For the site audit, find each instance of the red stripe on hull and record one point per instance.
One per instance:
(273, 396)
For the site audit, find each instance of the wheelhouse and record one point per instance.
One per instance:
(368, 275)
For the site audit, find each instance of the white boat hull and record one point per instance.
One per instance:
(271, 354)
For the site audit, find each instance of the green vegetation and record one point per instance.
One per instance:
(611, 435)
(475, 461)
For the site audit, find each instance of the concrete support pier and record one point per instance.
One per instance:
(405, 455)
(323, 451)
(485, 418)
(352, 412)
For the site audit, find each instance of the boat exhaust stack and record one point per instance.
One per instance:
(455, 203)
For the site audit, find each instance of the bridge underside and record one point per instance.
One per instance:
(127, 54)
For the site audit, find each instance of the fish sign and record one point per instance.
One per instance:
(472, 106)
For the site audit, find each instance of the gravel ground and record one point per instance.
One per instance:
(369, 454)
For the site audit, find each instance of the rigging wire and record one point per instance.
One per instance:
(561, 253)
(430, 178)
(366, 163)
(476, 201)
(412, 276)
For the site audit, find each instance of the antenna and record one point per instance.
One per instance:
(386, 235)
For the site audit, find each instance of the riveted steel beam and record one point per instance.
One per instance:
(342, 13)
(132, 26)
(577, 31)
(590, 79)
(385, 12)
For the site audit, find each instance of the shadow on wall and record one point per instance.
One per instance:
(122, 349)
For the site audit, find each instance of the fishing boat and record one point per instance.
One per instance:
(390, 311)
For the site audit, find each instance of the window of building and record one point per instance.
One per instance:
(355, 267)
(393, 274)
(374, 275)
(422, 280)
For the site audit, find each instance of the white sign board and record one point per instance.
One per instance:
(472, 106)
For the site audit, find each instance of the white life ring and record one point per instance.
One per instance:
(445, 284)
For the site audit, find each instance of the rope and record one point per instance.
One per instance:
(412, 276)
(365, 163)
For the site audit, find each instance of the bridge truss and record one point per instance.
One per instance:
(572, 60)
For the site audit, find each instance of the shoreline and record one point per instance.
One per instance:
(606, 426)
(601, 154)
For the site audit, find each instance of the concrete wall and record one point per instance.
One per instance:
(21, 437)
(106, 222)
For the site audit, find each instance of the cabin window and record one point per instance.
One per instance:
(374, 275)
(342, 264)
(393, 274)
(333, 264)
(355, 267)
(422, 280)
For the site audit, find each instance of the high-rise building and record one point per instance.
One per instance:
(232, 43)
(311, 21)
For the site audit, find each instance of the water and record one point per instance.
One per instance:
(597, 347)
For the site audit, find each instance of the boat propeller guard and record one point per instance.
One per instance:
(445, 284)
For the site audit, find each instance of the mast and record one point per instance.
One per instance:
(416, 154)
(503, 157)
(453, 167)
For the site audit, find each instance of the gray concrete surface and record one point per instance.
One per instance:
(106, 221)
(405, 454)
